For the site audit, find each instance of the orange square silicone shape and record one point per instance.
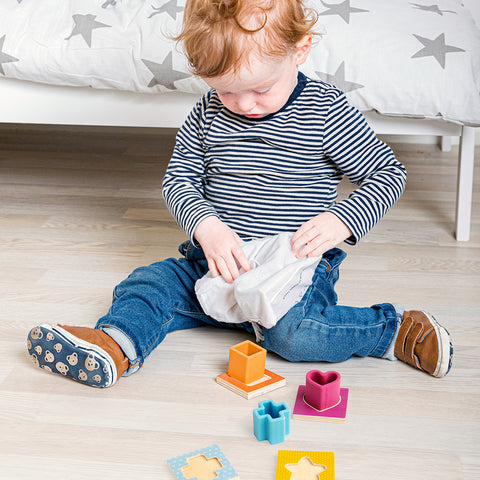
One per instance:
(247, 362)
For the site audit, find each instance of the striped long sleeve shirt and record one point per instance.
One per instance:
(270, 175)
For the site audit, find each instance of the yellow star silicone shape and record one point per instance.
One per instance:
(305, 469)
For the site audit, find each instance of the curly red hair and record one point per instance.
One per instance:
(219, 35)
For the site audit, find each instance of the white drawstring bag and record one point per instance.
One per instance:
(277, 281)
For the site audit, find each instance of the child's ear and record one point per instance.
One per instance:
(303, 49)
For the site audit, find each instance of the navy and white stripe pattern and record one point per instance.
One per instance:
(262, 177)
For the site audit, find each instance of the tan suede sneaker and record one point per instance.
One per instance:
(84, 354)
(424, 344)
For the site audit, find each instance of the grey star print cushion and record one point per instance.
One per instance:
(113, 44)
(417, 58)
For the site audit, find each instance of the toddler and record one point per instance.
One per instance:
(261, 153)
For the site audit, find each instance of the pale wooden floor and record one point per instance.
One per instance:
(80, 208)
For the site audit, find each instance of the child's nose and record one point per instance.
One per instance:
(245, 103)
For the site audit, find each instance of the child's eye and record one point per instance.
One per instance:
(263, 92)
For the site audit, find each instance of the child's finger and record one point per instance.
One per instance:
(212, 266)
(302, 237)
(304, 250)
(303, 245)
(227, 268)
(314, 247)
(242, 259)
(320, 249)
(232, 267)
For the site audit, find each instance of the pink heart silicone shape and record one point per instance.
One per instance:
(322, 390)
(322, 378)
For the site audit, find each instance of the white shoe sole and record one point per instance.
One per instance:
(445, 348)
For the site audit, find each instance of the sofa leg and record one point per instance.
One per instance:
(465, 183)
(446, 143)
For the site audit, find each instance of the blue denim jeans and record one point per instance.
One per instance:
(160, 298)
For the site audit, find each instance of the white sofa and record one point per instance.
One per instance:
(412, 68)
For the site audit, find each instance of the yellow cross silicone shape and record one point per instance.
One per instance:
(201, 468)
(305, 469)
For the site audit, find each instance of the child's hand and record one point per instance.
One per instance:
(318, 235)
(221, 246)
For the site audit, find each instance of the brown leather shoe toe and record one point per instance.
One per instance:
(424, 344)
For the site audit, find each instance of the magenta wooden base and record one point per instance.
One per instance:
(336, 413)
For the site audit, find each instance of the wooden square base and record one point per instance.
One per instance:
(269, 382)
(303, 411)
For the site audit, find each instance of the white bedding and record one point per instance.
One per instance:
(418, 58)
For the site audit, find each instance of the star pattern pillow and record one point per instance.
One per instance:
(114, 44)
(409, 58)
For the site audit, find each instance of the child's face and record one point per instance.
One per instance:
(263, 86)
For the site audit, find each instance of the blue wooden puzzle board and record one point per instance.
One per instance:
(227, 472)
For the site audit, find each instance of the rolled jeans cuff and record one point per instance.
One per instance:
(399, 310)
(126, 344)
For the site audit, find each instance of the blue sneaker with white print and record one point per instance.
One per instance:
(84, 354)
